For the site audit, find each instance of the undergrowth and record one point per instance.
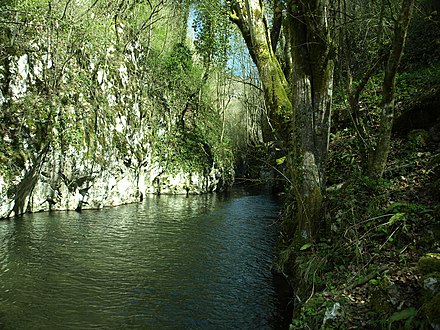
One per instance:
(362, 272)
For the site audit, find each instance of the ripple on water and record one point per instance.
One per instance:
(170, 262)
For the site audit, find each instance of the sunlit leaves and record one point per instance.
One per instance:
(212, 30)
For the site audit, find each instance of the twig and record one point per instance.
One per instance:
(366, 278)
(389, 237)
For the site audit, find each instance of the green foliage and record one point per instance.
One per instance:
(212, 31)
(373, 222)
(193, 140)
(305, 246)
(424, 36)
(370, 221)
(344, 159)
(320, 312)
(281, 160)
(107, 66)
(413, 85)
(311, 314)
(179, 62)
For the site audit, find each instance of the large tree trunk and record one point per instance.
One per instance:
(380, 154)
(311, 91)
(248, 15)
(312, 80)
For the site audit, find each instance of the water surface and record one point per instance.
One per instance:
(171, 262)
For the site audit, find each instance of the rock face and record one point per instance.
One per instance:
(102, 124)
(69, 181)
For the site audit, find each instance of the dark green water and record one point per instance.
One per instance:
(171, 262)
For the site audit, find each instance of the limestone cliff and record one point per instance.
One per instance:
(92, 116)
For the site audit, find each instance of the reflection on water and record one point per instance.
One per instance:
(171, 262)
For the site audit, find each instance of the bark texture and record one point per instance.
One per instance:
(304, 122)
(379, 156)
(248, 15)
(313, 65)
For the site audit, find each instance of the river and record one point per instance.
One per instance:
(170, 262)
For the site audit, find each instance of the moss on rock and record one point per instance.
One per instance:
(432, 311)
(429, 263)
(429, 266)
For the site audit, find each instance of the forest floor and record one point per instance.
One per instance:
(369, 269)
(365, 273)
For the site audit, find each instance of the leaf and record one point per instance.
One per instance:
(396, 217)
(404, 206)
(406, 314)
(281, 160)
(305, 246)
(396, 205)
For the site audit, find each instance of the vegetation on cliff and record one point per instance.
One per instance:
(93, 86)
(105, 76)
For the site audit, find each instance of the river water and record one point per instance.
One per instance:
(170, 262)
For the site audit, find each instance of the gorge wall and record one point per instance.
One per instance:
(92, 116)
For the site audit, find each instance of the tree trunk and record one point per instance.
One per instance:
(248, 15)
(380, 154)
(308, 117)
(312, 81)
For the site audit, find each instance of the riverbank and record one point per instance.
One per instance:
(365, 271)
